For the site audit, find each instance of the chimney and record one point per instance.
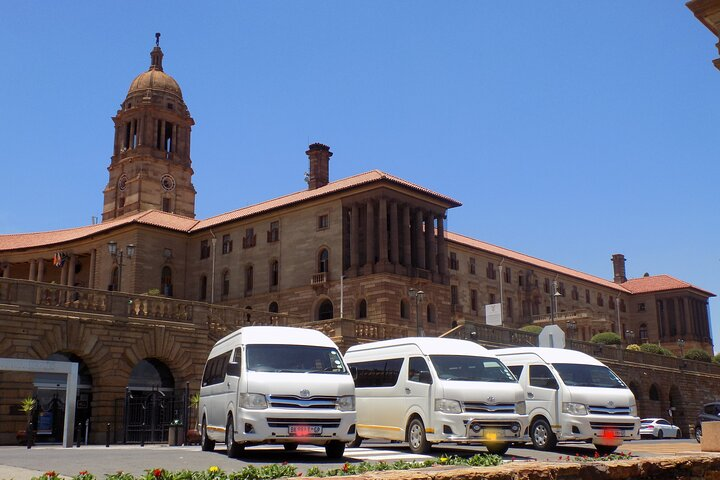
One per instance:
(619, 268)
(319, 175)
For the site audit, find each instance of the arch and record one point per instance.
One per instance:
(203, 288)
(404, 308)
(166, 281)
(323, 260)
(677, 408)
(635, 389)
(362, 309)
(430, 313)
(273, 307)
(114, 277)
(151, 374)
(325, 310)
(654, 393)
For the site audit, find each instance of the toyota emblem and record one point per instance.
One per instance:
(491, 400)
(305, 393)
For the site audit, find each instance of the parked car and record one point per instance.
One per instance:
(710, 413)
(658, 428)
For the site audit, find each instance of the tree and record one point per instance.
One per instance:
(607, 338)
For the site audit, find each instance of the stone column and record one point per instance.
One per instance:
(91, 275)
(370, 234)
(354, 237)
(419, 238)
(162, 135)
(173, 142)
(383, 231)
(33, 270)
(41, 270)
(407, 235)
(6, 271)
(141, 133)
(431, 257)
(394, 239)
(442, 245)
(64, 274)
(71, 270)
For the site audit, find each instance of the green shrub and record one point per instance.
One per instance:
(716, 358)
(607, 338)
(657, 349)
(532, 329)
(634, 347)
(698, 354)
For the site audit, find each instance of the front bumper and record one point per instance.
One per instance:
(274, 425)
(608, 430)
(472, 428)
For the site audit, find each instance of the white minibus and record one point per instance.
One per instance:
(571, 396)
(276, 385)
(431, 390)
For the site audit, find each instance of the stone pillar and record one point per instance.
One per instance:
(442, 245)
(394, 239)
(64, 274)
(71, 270)
(41, 270)
(419, 238)
(407, 234)
(141, 132)
(91, 275)
(173, 142)
(162, 135)
(383, 231)
(370, 235)
(33, 270)
(354, 237)
(431, 256)
(6, 271)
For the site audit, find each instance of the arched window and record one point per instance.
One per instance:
(114, 277)
(431, 313)
(643, 333)
(654, 393)
(274, 273)
(166, 281)
(273, 307)
(325, 311)
(403, 308)
(203, 288)
(323, 261)
(151, 374)
(225, 284)
(362, 309)
(248, 280)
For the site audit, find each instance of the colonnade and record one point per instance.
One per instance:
(38, 270)
(134, 133)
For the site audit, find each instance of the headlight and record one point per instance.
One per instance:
(574, 408)
(633, 410)
(253, 401)
(346, 403)
(520, 408)
(447, 406)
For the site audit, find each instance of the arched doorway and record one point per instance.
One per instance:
(676, 412)
(151, 403)
(50, 395)
(325, 310)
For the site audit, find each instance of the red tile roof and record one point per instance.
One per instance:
(659, 283)
(521, 257)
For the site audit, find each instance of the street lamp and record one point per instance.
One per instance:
(553, 302)
(681, 344)
(117, 254)
(571, 327)
(418, 296)
(630, 335)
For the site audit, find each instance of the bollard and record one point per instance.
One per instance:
(107, 435)
(28, 435)
(78, 431)
(87, 431)
(142, 435)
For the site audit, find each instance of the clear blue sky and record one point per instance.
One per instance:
(569, 130)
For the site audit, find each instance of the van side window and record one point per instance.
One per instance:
(517, 370)
(377, 373)
(418, 370)
(215, 369)
(541, 376)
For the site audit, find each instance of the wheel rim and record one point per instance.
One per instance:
(229, 436)
(203, 433)
(415, 435)
(698, 434)
(540, 435)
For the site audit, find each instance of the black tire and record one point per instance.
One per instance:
(356, 443)
(290, 447)
(497, 448)
(416, 437)
(234, 449)
(605, 449)
(206, 445)
(334, 449)
(678, 435)
(698, 433)
(542, 435)
(661, 435)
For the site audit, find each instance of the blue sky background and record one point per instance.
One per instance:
(569, 130)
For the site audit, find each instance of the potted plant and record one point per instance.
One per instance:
(27, 406)
(176, 434)
(193, 436)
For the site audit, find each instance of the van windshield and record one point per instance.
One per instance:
(294, 359)
(577, 375)
(471, 368)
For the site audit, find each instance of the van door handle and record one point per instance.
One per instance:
(530, 395)
(407, 390)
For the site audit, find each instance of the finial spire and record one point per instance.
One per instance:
(157, 39)
(156, 55)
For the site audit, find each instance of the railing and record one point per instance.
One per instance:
(318, 278)
(562, 316)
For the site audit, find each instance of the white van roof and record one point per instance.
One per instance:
(279, 335)
(550, 355)
(428, 345)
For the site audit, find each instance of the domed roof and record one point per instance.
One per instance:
(155, 78)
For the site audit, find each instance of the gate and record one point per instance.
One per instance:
(148, 415)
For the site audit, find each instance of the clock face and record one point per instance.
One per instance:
(167, 182)
(122, 182)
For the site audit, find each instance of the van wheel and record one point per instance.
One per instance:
(542, 435)
(497, 448)
(334, 449)
(416, 436)
(356, 443)
(290, 447)
(233, 448)
(698, 433)
(206, 445)
(605, 449)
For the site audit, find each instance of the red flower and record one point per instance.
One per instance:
(346, 467)
(84, 472)
(51, 474)
(157, 473)
(597, 454)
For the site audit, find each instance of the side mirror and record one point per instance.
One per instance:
(353, 373)
(425, 377)
(233, 369)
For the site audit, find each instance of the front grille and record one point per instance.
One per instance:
(493, 424)
(275, 422)
(613, 426)
(599, 410)
(293, 401)
(480, 407)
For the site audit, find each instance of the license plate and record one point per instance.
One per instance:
(610, 433)
(304, 430)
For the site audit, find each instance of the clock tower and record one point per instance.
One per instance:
(150, 167)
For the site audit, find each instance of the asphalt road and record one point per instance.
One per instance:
(19, 463)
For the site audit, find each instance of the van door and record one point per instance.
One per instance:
(232, 379)
(418, 390)
(542, 392)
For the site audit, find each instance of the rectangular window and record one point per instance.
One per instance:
(215, 369)
(166, 205)
(561, 288)
(508, 275)
(377, 373)
(472, 266)
(600, 300)
(454, 264)
(273, 235)
(490, 271)
(521, 280)
(611, 302)
(453, 294)
(509, 307)
(204, 249)
(546, 285)
(492, 298)
(473, 300)
(575, 295)
(227, 244)
(587, 296)
(323, 222)
(641, 307)
(418, 370)
(249, 238)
